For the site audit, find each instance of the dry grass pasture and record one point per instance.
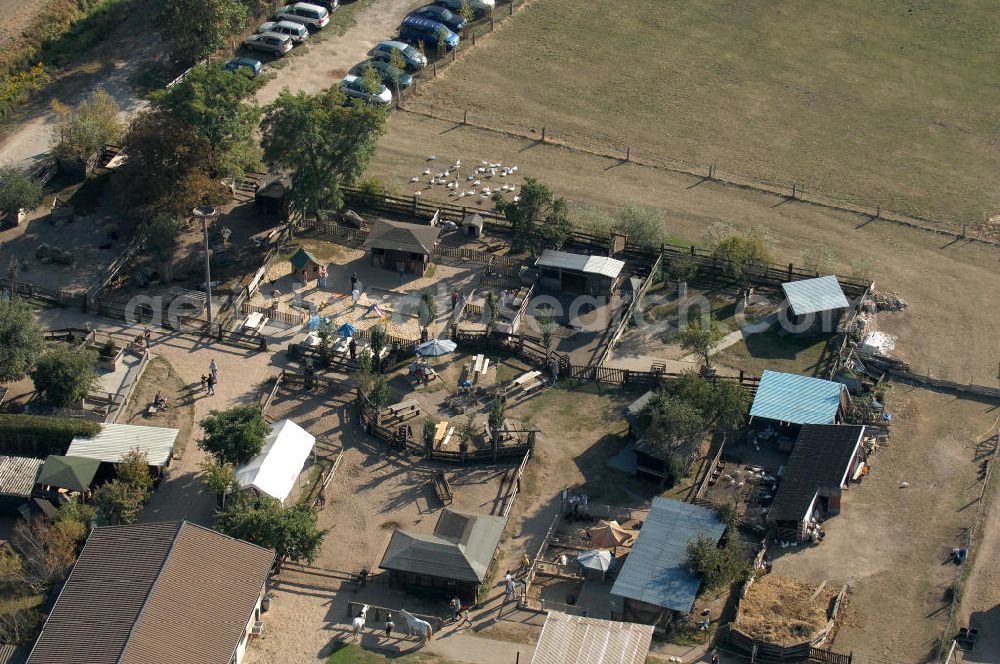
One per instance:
(872, 101)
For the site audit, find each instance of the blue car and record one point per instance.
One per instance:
(241, 64)
(451, 20)
(417, 29)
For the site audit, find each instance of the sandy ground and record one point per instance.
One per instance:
(891, 544)
(17, 14)
(949, 284)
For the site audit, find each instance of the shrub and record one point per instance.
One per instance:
(64, 375)
(18, 191)
(50, 428)
(85, 129)
(235, 435)
(15, 89)
(717, 566)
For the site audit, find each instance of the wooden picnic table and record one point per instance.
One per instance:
(342, 345)
(408, 405)
(526, 378)
(439, 432)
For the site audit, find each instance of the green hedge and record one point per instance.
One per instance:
(51, 428)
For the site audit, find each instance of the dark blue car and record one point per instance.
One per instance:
(451, 20)
(417, 29)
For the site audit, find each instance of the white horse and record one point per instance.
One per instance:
(418, 627)
(359, 621)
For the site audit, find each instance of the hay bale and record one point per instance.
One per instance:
(783, 611)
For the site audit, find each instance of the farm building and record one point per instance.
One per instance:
(283, 454)
(454, 559)
(825, 458)
(568, 639)
(472, 224)
(792, 399)
(17, 480)
(157, 592)
(304, 262)
(815, 304)
(654, 584)
(114, 440)
(401, 247)
(578, 273)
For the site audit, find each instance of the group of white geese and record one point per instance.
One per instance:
(483, 179)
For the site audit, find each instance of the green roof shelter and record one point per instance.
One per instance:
(73, 473)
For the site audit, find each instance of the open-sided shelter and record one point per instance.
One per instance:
(793, 399)
(654, 584)
(454, 559)
(815, 304)
(157, 592)
(568, 639)
(825, 458)
(401, 247)
(69, 473)
(579, 273)
(114, 440)
(282, 456)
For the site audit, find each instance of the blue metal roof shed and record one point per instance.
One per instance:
(656, 570)
(811, 296)
(797, 399)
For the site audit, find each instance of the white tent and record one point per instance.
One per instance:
(273, 472)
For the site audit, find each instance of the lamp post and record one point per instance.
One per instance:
(205, 212)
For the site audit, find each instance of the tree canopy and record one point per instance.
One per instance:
(702, 336)
(722, 403)
(537, 218)
(65, 374)
(85, 129)
(17, 191)
(717, 566)
(291, 532)
(21, 340)
(234, 436)
(747, 255)
(194, 28)
(120, 501)
(324, 142)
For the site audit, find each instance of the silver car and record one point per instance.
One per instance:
(354, 86)
(479, 6)
(270, 42)
(312, 16)
(298, 32)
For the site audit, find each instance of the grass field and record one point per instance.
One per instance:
(352, 654)
(871, 100)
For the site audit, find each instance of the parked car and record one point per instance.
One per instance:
(328, 5)
(269, 42)
(297, 31)
(312, 16)
(416, 29)
(453, 21)
(390, 75)
(479, 6)
(384, 49)
(254, 67)
(354, 87)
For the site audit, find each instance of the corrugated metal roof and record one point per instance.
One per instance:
(656, 571)
(18, 475)
(811, 296)
(461, 548)
(570, 639)
(603, 265)
(282, 456)
(156, 592)
(114, 440)
(796, 399)
(820, 459)
(14, 654)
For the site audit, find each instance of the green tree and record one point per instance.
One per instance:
(120, 501)
(194, 28)
(17, 191)
(722, 403)
(862, 268)
(291, 532)
(372, 80)
(681, 268)
(465, 11)
(21, 339)
(702, 337)
(219, 478)
(818, 258)
(673, 427)
(323, 142)
(746, 256)
(213, 102)
(380, 393)
(65, 374)
(87, 128)
(161, 233)
(497, 416)
(428, 308)
(717, 567)
(234, 436)
(491, 311)
(398, 62)
(378, 339)
(538, 219)
(642, 224)
(547, 327)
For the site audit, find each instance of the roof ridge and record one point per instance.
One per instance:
(152, 589)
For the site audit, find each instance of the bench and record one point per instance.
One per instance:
(525, 379)
(439, 432)
(447, 438)
(442, 488)
(408, 407)
(479, 368)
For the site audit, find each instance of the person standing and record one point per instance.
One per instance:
(204, 382)
(213, 369)
(211, 384)
(354, 281)
(352, 348)
(465, 617)
(355, 296)
(454, 300)
(147, 336)
(455, 606)
(389, 625)
(322, 276)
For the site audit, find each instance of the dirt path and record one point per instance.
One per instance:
(329, 58)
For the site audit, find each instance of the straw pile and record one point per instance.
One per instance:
(778, 609)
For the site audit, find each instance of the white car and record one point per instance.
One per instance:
(354, 86)
(271, 42)
(297, 31)
(312, 16)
